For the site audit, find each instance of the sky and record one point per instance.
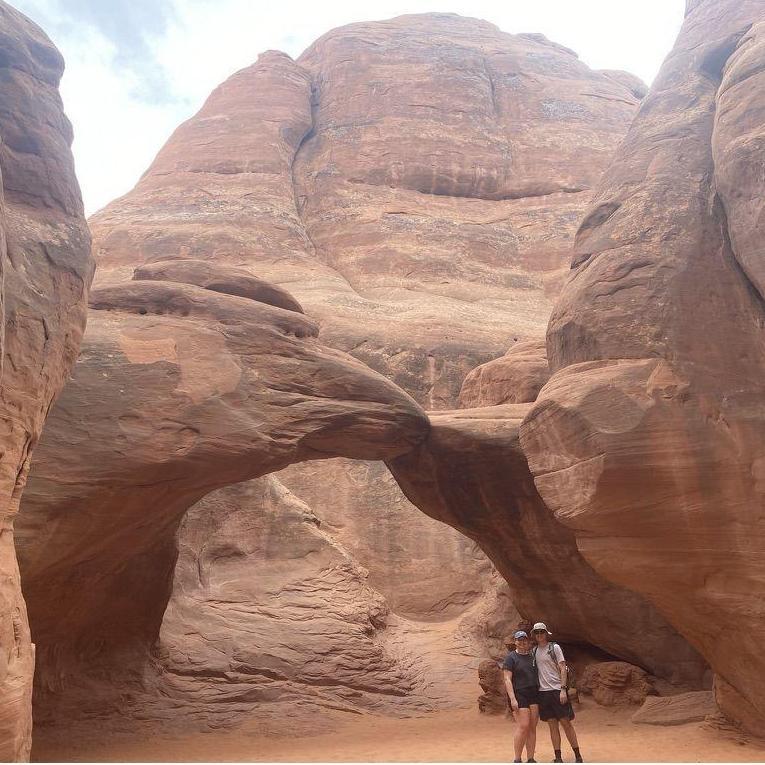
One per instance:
(135, 69)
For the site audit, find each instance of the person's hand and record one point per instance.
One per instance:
(563, 696)
(514, 705)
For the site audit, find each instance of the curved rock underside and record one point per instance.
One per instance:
(647, 441)
(46, 269)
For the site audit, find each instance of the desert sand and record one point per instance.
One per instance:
(461, 735)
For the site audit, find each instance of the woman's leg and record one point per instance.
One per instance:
(531, 738)
(522, 720)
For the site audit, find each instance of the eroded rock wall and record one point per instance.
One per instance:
(647, 441)
(46, 269)
(273, 618)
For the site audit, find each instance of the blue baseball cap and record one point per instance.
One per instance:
(520, 634)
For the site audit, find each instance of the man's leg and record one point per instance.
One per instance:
(531, 738)
(568, 727)
(522, 719)
(555, 738)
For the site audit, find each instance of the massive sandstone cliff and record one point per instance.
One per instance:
(647, 443)
(416, 185)
(46, 269)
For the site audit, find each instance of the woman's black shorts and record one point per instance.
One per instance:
(526, 697)
(550, 707)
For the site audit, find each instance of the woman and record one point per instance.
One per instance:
(522, 687)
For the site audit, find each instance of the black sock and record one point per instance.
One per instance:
(576, 751)
(557, 753)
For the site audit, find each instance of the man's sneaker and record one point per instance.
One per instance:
(531, 759)
(578, 758)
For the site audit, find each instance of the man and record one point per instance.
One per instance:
(554, 705)
(521, 685)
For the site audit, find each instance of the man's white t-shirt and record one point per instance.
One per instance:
(548, 667)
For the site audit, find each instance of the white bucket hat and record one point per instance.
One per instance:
(541, 626)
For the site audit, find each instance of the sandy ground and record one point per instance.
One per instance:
(605, 735)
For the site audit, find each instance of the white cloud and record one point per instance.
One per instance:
(118, 129)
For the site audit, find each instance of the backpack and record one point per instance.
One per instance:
(570, 674)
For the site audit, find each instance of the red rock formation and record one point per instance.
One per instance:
(493, 700)
(425, 570)
(472, 474)
(46, 269)
(616, 683)
(415, 183)
(647, 441)
(179, 390)
(680, 709)
(273, 618)
(419, 203)
(515, 378)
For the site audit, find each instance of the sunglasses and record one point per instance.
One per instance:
(539, 632)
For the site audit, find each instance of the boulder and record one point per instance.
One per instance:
(46, 268)
(493, 700)
(515, 378)
(229, 281)
(616, 683)
(647, 442)
(683, 708)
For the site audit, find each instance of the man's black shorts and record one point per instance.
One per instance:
(550, 707)
(526, 697)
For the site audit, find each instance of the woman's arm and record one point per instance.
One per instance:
(508, 676)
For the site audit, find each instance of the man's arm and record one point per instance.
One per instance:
(508, 677)
(563, 669)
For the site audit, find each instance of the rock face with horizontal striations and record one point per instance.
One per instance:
(414, 183)
(648, 440)
(680, 709)
(46, 270)
(269, 610)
